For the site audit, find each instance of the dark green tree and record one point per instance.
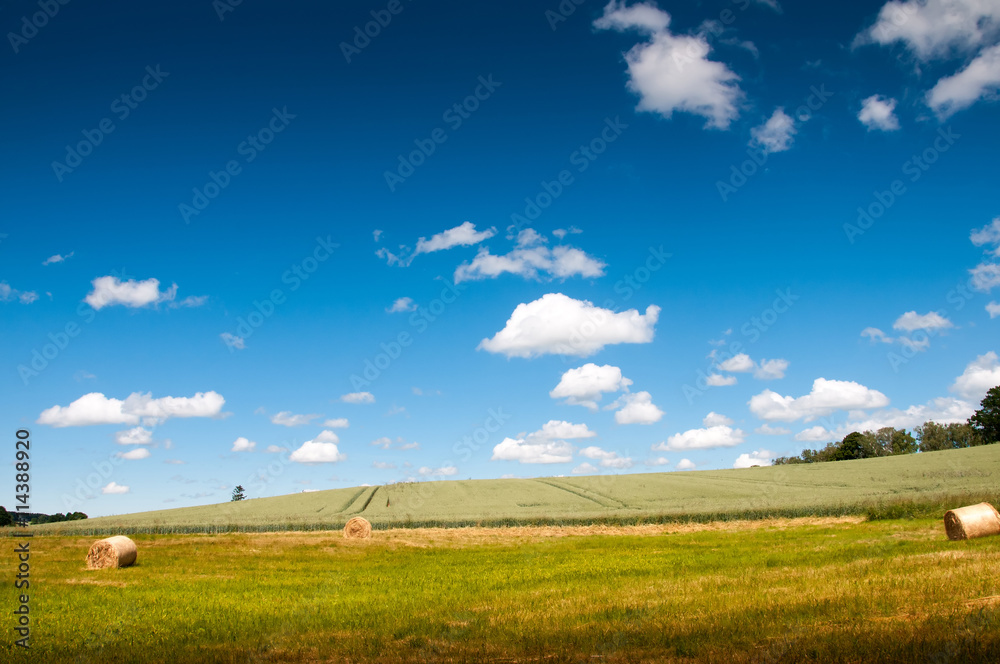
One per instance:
(852, 447)
(986, 420)
(5, 518)
(238, 494)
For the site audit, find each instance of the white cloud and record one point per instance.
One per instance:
(383, 465)
(878, 112)
(685, 464)
(233, 341)
(814, 434)
(737, 364)
(286, 418)
(718, 380)
(561, 233)
(134, 455)
(768, 430)
(911, 321)
(771, 369)
(535, 262)
(703, 439)
(337, 423)
(714, 419)
(462, 235)
(275, 449)
(376, 234)
(826, 397)
(672, 72)
(446, 471)
(985, 276)
(980, 79)
(322, 449)
(8, 294)
(358, 397)
(584, 385)
(979, 376)
(402, 305)
(776, 134)
(560, 325)
(95, 408)
(658, 461)
(761, 457)
(242, 444)
(547, 445)
(637, 408)
(586, 468)
(993, 309)
(387, 443)
(57, 258)
(934, 28)
(606, 458)
(135, 436)
(113, 488)
(111, 290)
(876, 335)
(988, 234)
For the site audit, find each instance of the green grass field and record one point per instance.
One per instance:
(817, 590)
(930, 480)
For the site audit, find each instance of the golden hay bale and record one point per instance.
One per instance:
(972, 521)
(358, 528)
(117, 551)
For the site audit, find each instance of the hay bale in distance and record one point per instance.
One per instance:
(972, 521)
(113, 552)
(358, 528)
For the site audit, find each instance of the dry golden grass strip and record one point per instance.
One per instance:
(113, 552)
(358, 528)
(972, 521)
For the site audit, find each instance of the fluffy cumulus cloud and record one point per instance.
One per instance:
(935, 28)
(671, 72)
(759, 458)
(337, 423)
(637, 408)
(770, 369)
(585, 385)
(113, 488)
(531, 259)
(737, 364)
(742, 363)
(826, 397)
(287, 418)
(95, 408)
(586, 468)
(134, 436)
(993, 309)
(986, 275)
(879, 113)
(559, 325)
(134, 455)
(685, 464)
(242, 444)
(988, 235)
(717, 433)
(606, 459)
(8, 294)
(321, 449)
(775, 135)
(718, 380)
(979, 376)
(402, 305)
(547, 445)
(358, 397)
(911, 321)
(108, 291)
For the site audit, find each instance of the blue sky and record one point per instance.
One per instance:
(250, 244)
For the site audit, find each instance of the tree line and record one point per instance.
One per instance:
(7, 518)
(983, 428)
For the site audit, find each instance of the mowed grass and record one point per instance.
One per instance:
(878, 486)
(822, 590)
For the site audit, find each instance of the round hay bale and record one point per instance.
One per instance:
(972, 521)
(113, 552)
(358, 528)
